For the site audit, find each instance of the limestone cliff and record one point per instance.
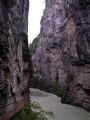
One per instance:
(13, 56)
(63, 53)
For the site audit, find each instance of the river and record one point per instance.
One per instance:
(50, 102)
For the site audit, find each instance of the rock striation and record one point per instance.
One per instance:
(13, 56)
(63, 53)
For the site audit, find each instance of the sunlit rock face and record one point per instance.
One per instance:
(63, 53)
(13, 56)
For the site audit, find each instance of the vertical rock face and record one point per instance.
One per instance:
(13, 56)
(63, 53)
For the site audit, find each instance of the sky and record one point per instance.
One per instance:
(36, 8)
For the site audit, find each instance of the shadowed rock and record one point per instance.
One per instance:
(13, 49)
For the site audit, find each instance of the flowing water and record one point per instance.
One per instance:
(50, 102)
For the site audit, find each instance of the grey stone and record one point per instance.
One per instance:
(13, 49)
(64, 49)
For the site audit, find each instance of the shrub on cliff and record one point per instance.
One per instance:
(34, 45)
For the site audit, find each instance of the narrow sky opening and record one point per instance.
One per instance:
(36, 9)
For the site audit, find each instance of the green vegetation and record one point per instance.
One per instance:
(34, 112)
(70, 76)
(34, 45)
(57, 90)
(25, 54)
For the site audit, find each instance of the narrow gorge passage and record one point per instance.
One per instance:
(57, 61)
(61, 52)
(61, 59)
(51, 102)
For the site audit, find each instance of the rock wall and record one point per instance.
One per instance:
(63, 53)
(13, 56)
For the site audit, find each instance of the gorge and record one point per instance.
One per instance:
(62, 57)
(60, 54)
